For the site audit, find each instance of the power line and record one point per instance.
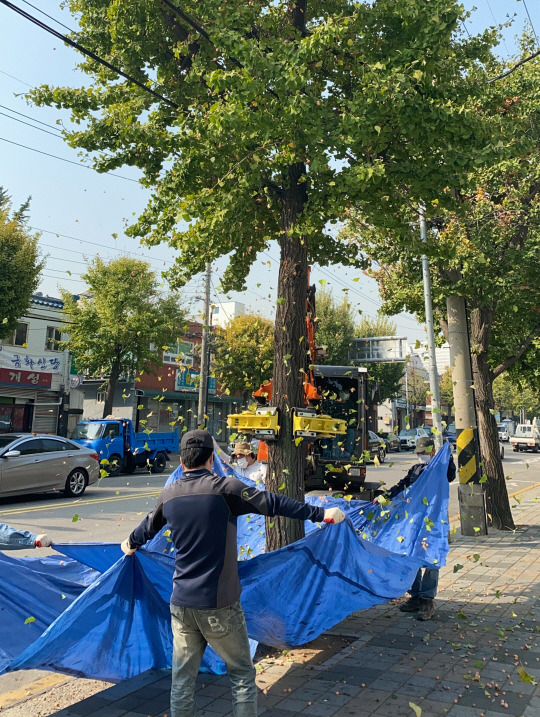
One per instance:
(15, 78)
(85, 51)
(530, 20)
(16, 119)
(63, 159)
(496, 23)
(49, 16)
(45, 124)
(515, 67)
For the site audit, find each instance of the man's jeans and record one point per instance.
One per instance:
(425, 585)
(224, 629)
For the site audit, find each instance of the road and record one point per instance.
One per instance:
(112, 508)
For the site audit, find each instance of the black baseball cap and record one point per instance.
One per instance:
(196, 439)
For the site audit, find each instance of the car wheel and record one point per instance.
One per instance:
(516, 449)
(76, 483)
(115, 466)
(398, 449)
(502, 453)
(159, 463)
(381, 455)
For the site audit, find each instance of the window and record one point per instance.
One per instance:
(52, 445)
(19, 336)
(27, 448)
(54, 336)
(180, 354)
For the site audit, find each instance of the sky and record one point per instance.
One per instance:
(78, 211)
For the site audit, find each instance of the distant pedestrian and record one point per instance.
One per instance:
(424, 587)
(200, 510)
(13, 539)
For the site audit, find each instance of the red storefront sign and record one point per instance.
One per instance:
(16, 377)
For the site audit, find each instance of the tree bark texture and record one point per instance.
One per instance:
(286, 460)
(498, 504)
(111, 387)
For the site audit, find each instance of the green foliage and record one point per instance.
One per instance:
(335, 328)
(387, 377)
(446, 389)
(511, 397)
(348, 102)
(118, 318)
(244, 353)
(20, 262)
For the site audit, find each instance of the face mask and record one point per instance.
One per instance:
(242, 463)
(423, 458)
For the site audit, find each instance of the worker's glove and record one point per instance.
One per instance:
(42, 541)
(125, 545)
(333, 515)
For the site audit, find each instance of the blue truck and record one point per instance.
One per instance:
(121, 450)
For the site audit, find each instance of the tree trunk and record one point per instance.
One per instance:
(286, 460)
(111, 386)
(498, 504)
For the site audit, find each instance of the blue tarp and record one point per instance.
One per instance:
(119, 626)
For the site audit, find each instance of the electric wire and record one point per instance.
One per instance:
(63, 159)
(49, 16)
(530, 20)
(15, 78)
(514, 67)
(16, 119)
(85, 51)
(45, 124)
(496, 23)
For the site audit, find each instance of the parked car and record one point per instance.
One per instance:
(409, 436)
(450, 434)
(38, 463)
(377, 447)
(392, 441)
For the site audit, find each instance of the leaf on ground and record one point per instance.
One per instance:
(425, 501)
(417, 710)
(476, 557)
(457, 567)
(75, 518)
(525, 677)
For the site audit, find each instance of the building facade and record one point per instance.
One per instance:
(166, 399)
(38, 392)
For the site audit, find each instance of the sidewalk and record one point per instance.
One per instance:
(479, 656)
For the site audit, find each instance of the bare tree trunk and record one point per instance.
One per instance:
(286, 460)
(499, 512)
(111, 386)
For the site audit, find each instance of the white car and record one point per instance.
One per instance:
(409, 436)
(503, 432)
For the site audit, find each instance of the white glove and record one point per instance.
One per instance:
(333, 515)
(42, 541)
(125, 545)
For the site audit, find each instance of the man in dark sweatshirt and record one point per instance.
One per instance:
(201, 510)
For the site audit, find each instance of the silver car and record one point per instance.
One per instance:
(36, 463)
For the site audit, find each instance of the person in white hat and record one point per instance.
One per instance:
(246, 462)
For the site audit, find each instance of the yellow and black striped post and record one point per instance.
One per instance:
(466, 442)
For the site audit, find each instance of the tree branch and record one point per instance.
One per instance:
(509, 362)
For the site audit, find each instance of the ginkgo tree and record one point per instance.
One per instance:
(485, 248)
(122, 323)
(275, 117)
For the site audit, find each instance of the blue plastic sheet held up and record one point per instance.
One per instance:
(119, 625)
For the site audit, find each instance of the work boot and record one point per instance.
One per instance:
(412, 604)
(427, 608)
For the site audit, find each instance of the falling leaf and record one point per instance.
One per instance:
(33, 619)
(524, 676)
(425, 501)
(75, 518)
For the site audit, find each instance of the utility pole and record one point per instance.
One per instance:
(433, 374)
(472, 498)
(205, 350)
